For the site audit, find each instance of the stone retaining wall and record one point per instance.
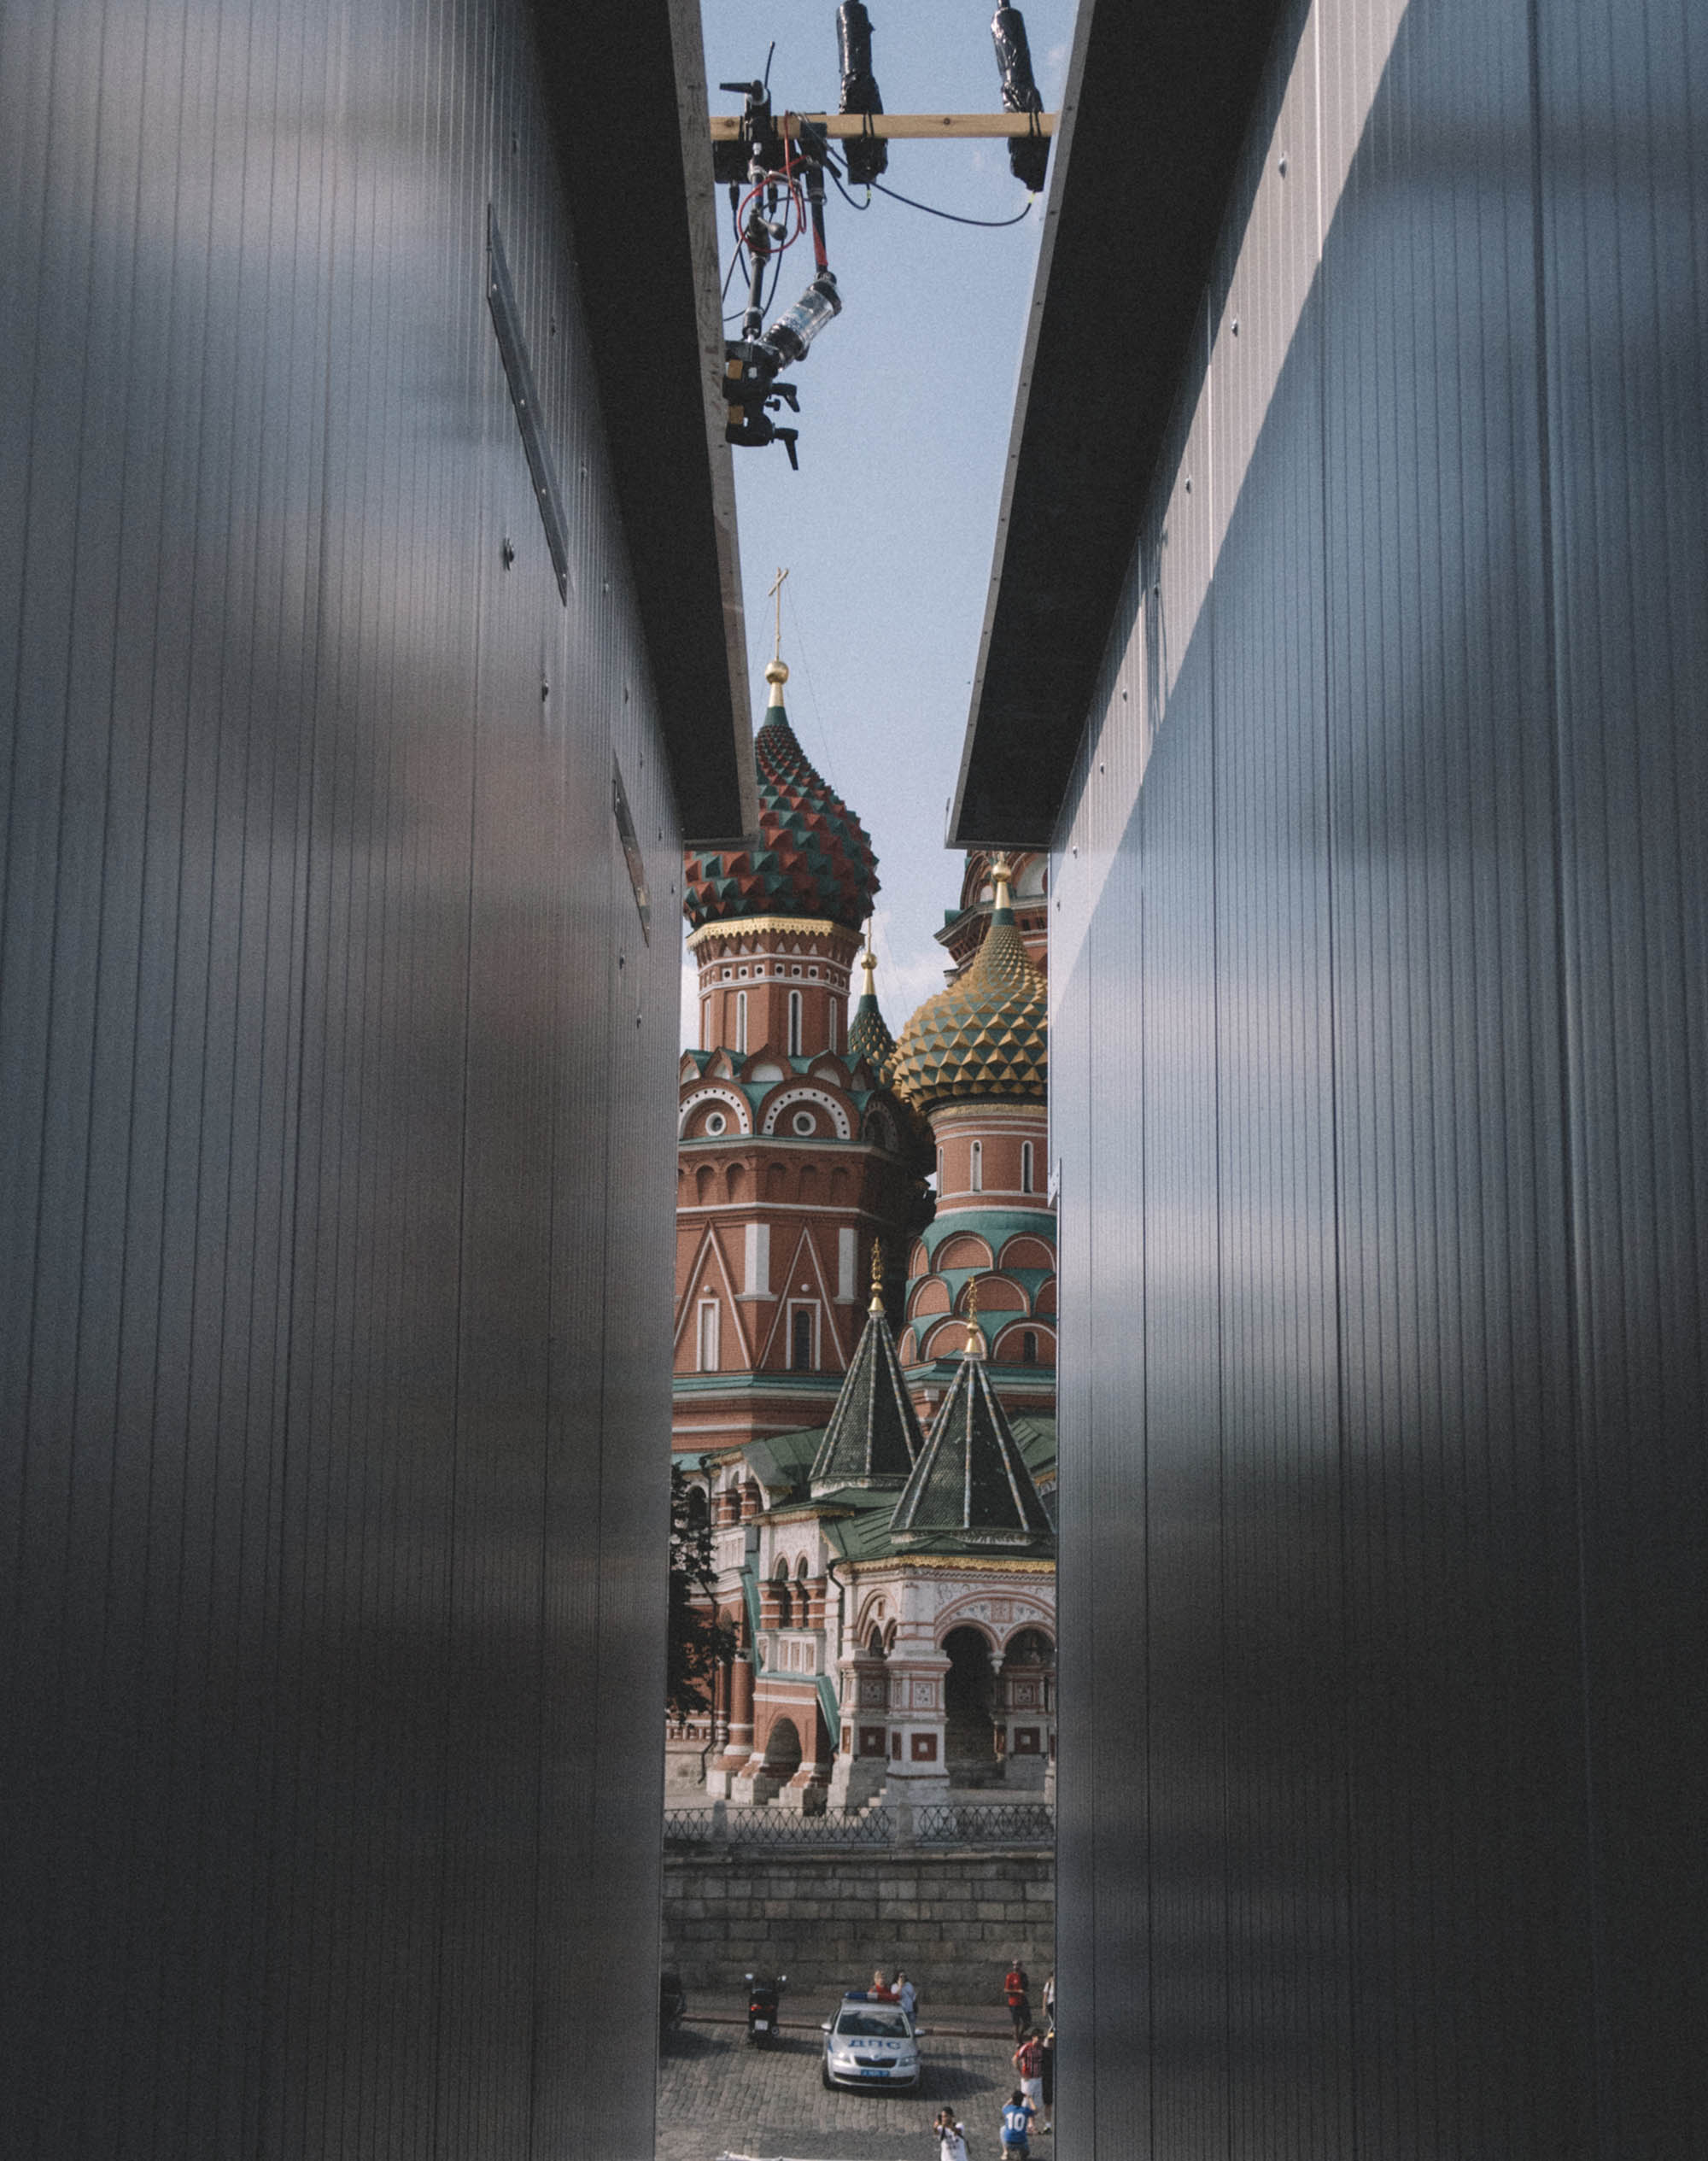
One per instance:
(952, 1919)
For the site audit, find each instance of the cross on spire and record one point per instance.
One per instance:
(775, 593)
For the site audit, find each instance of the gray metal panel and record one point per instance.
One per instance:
(1462, 1629)
(1183, 1649)
(1378, 1039)
(1622, 95)
(328, 1036)
(1282, 1617)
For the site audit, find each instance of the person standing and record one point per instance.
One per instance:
(1017, 1988)
(1028, 2061)
(951, 2136)
(1016, 2122)
(906, 1995)
(1050, 2001)
(1048, 2050)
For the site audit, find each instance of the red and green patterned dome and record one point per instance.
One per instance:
(813, 857)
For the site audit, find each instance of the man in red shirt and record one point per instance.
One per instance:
(1016, 1987)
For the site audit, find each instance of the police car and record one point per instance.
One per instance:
(870, 2044)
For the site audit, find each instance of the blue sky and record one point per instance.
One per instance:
(906, 401)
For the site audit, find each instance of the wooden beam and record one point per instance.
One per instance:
(726, 127)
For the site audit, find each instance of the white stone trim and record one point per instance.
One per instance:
(786, 1098)
(732, 1098)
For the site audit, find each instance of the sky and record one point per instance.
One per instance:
(906, 401)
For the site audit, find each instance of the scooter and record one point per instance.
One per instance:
(762, 1997)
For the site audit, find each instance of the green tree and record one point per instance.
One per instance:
(698, 1643)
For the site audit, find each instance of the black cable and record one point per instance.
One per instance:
(848, 198)
(953, 216)
(768, 57)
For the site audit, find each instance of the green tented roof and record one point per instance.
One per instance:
(873, 1439)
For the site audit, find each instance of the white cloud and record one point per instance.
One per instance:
(901, 986)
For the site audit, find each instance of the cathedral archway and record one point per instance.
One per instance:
(783, 1750)
(1026, 1703)
(970, 1691)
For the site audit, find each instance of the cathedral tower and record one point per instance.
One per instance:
(793, 1155)
(973, 1060)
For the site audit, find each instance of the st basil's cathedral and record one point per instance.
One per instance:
(864, 1385)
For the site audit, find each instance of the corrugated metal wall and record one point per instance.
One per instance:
(1378, 1055)
(338, 1088)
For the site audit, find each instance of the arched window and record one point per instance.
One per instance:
(707, 1359)
(830, 1027)
(940, 1170)
(742, 1022)
(705, 1024)
(1028, 1348)
(1025, 1167)
(785, 1614)
(794, 1024)
(800, 1340)
(977, 1184)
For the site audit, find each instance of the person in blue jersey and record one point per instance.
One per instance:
(1016, 2123)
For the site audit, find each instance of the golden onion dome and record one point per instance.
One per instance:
(985, 1034)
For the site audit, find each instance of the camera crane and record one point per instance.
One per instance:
(774, 168)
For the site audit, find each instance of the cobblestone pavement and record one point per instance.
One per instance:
(717, 2096)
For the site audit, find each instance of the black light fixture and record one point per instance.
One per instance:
(865, 155)
(1028, 154)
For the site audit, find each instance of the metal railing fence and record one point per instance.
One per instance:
(890, 1824)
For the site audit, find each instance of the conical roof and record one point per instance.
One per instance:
(984, 1034)
(868, 1035)
(873, 1439)
(971, 1487)
(813, 857)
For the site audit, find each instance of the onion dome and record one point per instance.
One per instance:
(813, 857)
(970, 1486)
(868, 1035)
(873, 1439)
(985, 1034)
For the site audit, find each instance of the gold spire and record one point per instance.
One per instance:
(877, 1304)
(868, 961)
(975, 1341)
(1002, 876)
